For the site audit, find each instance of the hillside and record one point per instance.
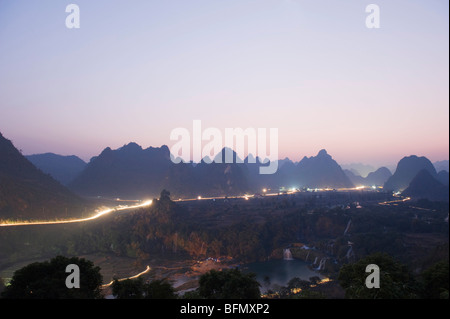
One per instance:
(426, 186)
(443, 177)
(26, 192)
(407, 168)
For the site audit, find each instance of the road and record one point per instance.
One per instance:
(79, 220)
(132, 277)
(149, 202)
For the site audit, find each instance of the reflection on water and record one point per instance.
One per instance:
(274, 273)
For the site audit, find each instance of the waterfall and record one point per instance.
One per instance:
(287, 255)
(322, 263)
(348, 226)
(349, 252)
(315, 261)
(307, 255)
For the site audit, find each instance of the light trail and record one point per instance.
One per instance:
(395, 201)
(198, 198)
(132, 277)
(79, 220)
(280, 193)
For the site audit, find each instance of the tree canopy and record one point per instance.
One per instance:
(435, 281)
(396, 281)
(138, 289)
(47, 280)
(228, 284)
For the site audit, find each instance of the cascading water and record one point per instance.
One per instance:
(307, 255)
(287, 255)
(322, 263)
(349, 252)
(348, 226)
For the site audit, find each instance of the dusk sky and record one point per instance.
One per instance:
(135, 70)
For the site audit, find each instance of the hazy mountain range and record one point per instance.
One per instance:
(376, 178)
(62, 168)
(134, 171)
(26, 187)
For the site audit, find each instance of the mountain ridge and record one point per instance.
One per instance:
(130, 171)
(27, 192)
(407, 169)
(424, 185)
(62, 168)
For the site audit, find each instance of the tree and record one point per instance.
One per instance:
(228, 284)
(164, 196)
(2, 285)
(298, 283)
(128, 289)
(47, 280)
(159, 289)
(435, 281)
(396, 282)
(137, 289)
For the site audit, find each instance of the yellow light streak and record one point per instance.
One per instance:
(79, 220)
(132, 277)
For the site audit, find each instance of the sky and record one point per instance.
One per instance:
(136, 70)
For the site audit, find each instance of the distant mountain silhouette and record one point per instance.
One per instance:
(356, 179)
(131, 171)
(443, 177)
(379, 177)
(358, 168)
(424, 185)
(257, 181)
(62, 168)
(221, 178)
(407, 169)
(321, 171)
(28, 193)
(313, 172)
(441, 165)
(127, 171)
